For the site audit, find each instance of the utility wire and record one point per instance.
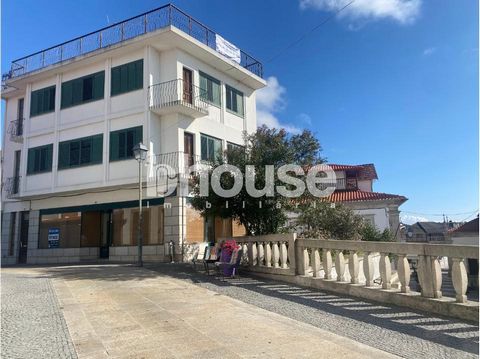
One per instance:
(442, 214)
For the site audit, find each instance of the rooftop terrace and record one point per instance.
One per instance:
(167, 15)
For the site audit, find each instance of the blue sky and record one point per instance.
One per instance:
(393, 83)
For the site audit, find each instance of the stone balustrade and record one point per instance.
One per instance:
(379, 271)
(269, 254)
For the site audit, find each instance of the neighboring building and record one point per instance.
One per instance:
(354, 189)
(466, 234)
(74, 112)
(428, 232)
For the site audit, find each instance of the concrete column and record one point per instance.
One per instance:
(394, 220)
(174, 229)
(33, 233)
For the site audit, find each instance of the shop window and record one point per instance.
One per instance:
(60, 230)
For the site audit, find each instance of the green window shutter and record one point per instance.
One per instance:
(31, 160)
(64, 154)
(114, 138)
(204, 148)
(77, 92)
(40, 102)
(203, 87)
(138, 134)
(240, 105)
(66, 94)
(228, 93)
(34, 104)
(98, 85)
(131, 80)
(139, 74)
(51, 99)
(124, 79)
(216, 93)
(115, 81)
(97, 149)
(49, 157)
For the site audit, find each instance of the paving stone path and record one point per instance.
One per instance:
(32, 324)
(400, 331)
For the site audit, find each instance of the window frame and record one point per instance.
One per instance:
(207, 77)
(33, 101)
(208, 137)
(136, 130)
(48, 159)
(236, 92)
(126, 76)
(75, 83)
(80, 142)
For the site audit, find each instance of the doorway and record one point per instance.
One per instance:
(23, 250)
(188, 148)
(105, 234)
(187, 85)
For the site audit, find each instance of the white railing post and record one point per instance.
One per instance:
(353, 267)
(254, 254)
(459, 279)
(261, 254)
(368, 269)
(340, 266)
(385, 270)
(283, 254)
(327, 263)
(301, 255)
(268, 254)
(403, 269)
(275, 255)
(429, 276)
(315, 262)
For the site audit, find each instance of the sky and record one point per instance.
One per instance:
(389, 82)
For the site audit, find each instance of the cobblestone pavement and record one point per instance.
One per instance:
(401, 331)
(32, 325)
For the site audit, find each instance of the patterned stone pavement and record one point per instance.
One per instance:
(32, 325)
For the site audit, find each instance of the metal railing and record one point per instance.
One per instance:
(179, 161)
(15, 130)
(12, 186)
(177, 92)
(346, 184)
(145, 23)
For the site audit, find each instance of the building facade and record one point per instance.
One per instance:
(354, 189)
(74, 113)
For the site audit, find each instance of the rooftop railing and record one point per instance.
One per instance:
(145, 23)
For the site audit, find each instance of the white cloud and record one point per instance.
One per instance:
(402, 11)
(429, 51)
(270, 101)
(305, 118)
(411, 219)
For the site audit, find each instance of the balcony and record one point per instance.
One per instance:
(15, 130)
(167, 15)
(346, 184)
(177, 96)
(12, 187)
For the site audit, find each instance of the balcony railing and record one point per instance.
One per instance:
(12, 186)
(136, 26)
(346, 184)
(15, 130)
(178, 95)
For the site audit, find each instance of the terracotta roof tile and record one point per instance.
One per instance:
(365, 171)
(362, 196)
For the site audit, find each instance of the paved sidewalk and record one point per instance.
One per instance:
(32, 324)
(129, 312)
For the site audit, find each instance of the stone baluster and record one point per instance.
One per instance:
(283, 255)
(261, 255)
(301, 254)
(315, 261)
(268, 254)
(254, 254)
(368, 269)
(459, 279)
(340, 266)
(353, 267)
(403, 270)
(430, 276)
(249, 252)
(327, 263)
(385, 271)
(275, 255)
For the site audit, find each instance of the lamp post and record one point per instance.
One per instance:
(140, 153)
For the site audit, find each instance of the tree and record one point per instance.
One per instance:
(267, 146)
(369, 232)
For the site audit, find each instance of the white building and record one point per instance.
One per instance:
(355, 190)
(74, 112)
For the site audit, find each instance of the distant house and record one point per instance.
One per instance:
(354, 189)
(466, 234)
(428, 231)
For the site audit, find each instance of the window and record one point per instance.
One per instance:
(80, 152)
(233, 146)
(210, 89)
(39, 159)
(122, 142)
(60, 230)
(83, 89)
(42, 101)
(234, 100)
(127, 77)
(210, 147)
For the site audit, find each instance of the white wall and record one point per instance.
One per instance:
(380, 217)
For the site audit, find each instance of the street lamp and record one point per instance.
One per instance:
(140, 153)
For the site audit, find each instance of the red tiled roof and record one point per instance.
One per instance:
(469, 227)
(365, 171)
(362, 196)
